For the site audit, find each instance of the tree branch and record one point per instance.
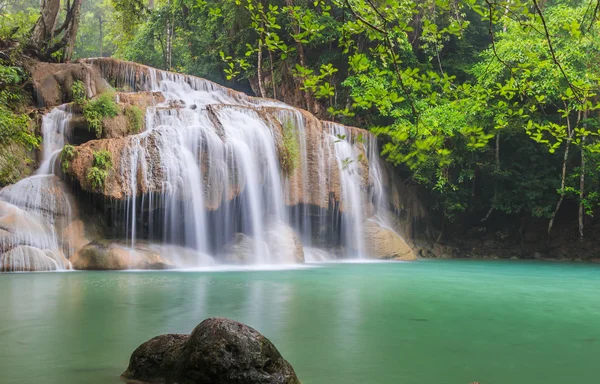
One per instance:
(392, 52)
(573, 88)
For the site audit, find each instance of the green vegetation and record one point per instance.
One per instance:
(97, 109)
(135, 118)
(14, 122)
(66, 156)
(491, 106)
(291, 152)
(17, 136)
(78, 93)
(98, 172)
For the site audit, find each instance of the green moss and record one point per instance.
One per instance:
(135, 119)
(66, 156)
(97, 109)
(291, 152)
(98, 172)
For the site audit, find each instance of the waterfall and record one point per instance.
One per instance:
(214, 176)
(210, 160)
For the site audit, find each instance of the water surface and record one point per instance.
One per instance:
(496, 322)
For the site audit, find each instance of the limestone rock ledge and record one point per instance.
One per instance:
(218, 350)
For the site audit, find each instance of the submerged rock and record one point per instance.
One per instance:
(219, 350)
(279, 239)
(383, 243)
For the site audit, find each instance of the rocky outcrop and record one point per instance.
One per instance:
(218, 350)
(383, 243)
(53, 83)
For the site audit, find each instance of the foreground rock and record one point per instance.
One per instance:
(219, 350)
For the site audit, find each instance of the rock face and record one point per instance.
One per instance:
(384, 243)
(53, 82)
(218, 350)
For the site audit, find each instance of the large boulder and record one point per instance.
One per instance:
(219, 350)
(100, 255)
(383, 243)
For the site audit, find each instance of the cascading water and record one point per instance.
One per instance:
(216, 176)
(208, 148)
(35, 213)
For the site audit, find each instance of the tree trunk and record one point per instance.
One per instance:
(563, 177)
(101, 25)
(301, 57)
(497, 168)
(582, 184)
(71, 32)
(272, 74)
(43, 30)
(259, 69)
(169, 38)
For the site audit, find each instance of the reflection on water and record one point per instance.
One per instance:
(424, 322)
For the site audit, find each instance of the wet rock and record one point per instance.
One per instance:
(218, 350)
(285, 243)
(383, 243)
(241, 249)
(102, 255)
(281, 244)
(32, 240)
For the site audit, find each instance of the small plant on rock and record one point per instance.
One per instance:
(78, 93)
(66, 156)
(96, 110)
(291, 151)
(135, 118)
(98, 172)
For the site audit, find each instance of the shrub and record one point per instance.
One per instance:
(96, 110)
(135, 118)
